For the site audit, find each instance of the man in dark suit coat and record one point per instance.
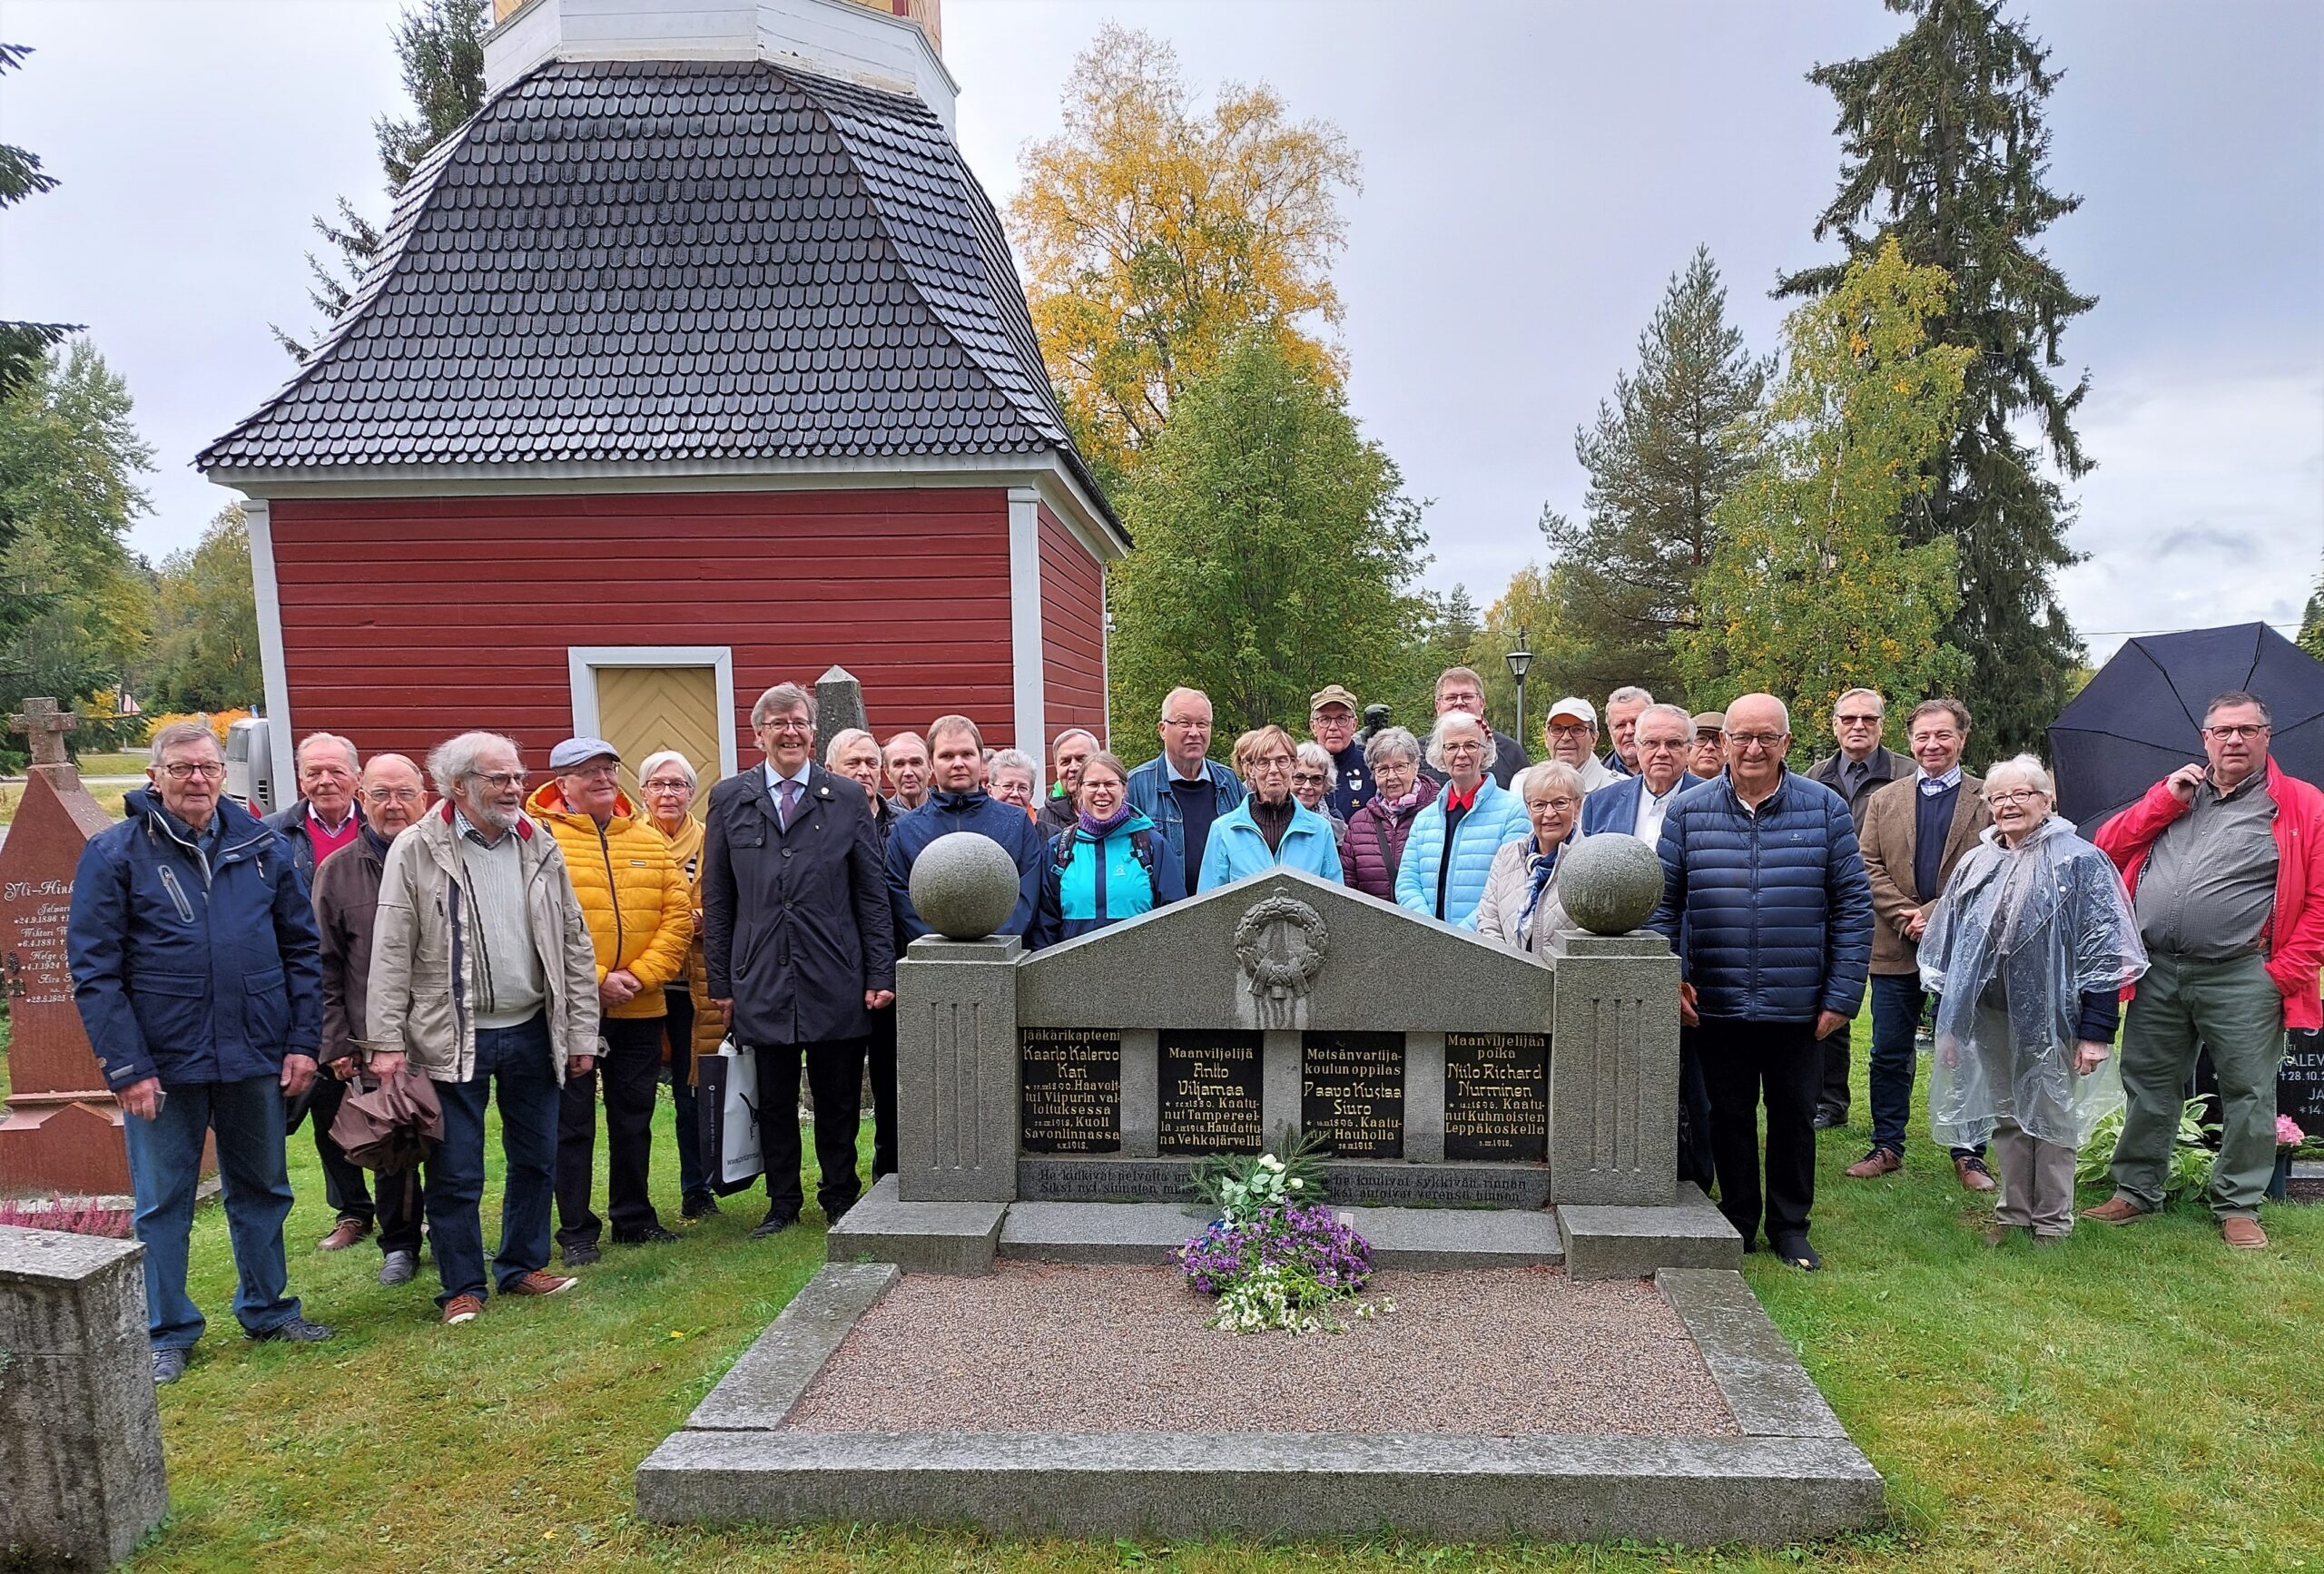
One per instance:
(1859, 768)
(799, 944)
(1907, 869)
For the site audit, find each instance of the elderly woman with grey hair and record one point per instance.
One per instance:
(1520, 906)
(1014, 778)
(2027, 951)
(1455, 840)
(1377, 833)
(1314, 779)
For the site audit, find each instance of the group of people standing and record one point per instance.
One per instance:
(234, 973)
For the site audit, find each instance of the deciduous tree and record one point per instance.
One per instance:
(1814, 589)
(205, 653)
(1944, 146)
(1678, 432)
(76, 606)
(1275, 553)
(1156, 235)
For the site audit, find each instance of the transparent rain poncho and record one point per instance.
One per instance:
(2015, 940)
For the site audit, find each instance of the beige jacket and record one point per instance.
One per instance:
(423, 970)
(1507, 884)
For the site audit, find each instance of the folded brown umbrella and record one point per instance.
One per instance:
(388, 1127)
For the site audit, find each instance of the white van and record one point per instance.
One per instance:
(250, 766)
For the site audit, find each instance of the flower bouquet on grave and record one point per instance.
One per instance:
(1276, 1257)
(2289, 1136)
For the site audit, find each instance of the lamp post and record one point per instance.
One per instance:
(1518, 660)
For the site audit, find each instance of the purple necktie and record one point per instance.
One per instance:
(790, 802)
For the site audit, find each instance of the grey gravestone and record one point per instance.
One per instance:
(80, 1478)
(1609, 884)
(839, 705)
(964, 886)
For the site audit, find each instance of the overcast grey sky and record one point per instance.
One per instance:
(1533, 174)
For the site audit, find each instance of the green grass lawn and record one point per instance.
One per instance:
(2136, 1400)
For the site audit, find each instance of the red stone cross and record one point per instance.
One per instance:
(46, 725)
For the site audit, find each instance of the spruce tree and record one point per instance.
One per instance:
(440, 44)
(1944, 146)
(23, 345)
(1677, 436)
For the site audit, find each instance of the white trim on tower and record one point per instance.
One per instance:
(1032, 708)
(258, 517)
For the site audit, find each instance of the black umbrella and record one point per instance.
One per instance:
(2141, 717)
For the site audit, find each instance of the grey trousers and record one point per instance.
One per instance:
(2036, 1180)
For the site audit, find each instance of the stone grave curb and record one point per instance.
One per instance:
(759, 1390)
(954, 1238)
(1793, 1476)
(1635, 1243)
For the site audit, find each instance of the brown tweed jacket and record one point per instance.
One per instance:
(1887, 839)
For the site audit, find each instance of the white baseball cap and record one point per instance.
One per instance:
(1579, 710)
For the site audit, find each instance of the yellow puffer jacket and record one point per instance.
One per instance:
(641, 915)
(685, 848)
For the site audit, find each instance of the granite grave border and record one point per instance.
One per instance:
(1793, 1475)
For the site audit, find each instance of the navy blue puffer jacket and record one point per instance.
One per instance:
(1770, 912)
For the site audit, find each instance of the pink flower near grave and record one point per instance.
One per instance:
(76, 1214)
(2288, 1131)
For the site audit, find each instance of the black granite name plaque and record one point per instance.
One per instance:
(2300, 1085)
(1069, 1082)
(1351, 1093)
(1208, 1091)
(1497, 1098)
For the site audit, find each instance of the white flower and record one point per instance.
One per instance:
(1298, 1184)
(1269, 1161)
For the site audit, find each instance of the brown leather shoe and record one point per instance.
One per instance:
(462, 1309)
(2243, 1234)
(539, 1284)
(1879, 1161)
(1974, 1175)
(2115, 1210)
(343, 1235)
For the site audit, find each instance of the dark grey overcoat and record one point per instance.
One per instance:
(795, 924)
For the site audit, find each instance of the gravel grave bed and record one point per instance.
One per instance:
(1038, 1347)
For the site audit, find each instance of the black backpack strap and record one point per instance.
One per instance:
(1141, 846)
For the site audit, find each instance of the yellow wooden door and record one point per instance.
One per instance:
(642, 711)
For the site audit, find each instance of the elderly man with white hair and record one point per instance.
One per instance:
(2027, 949)
(483, 979)
(1449, 854)
(1765, 897)
(327, 818)
(1635, 804)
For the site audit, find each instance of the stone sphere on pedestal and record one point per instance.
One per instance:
(964, 886)
(1609, 884)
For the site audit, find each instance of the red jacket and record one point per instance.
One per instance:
(2295, 930)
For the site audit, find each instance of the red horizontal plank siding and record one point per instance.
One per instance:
(407, 619)
(1073, 631)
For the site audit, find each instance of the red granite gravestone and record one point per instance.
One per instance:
(61, 1132)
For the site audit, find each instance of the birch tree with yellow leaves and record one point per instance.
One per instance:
(1155, 234)
(1812, 590)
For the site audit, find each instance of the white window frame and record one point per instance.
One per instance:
(583, 662)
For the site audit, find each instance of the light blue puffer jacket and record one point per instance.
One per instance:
(1497, 816)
